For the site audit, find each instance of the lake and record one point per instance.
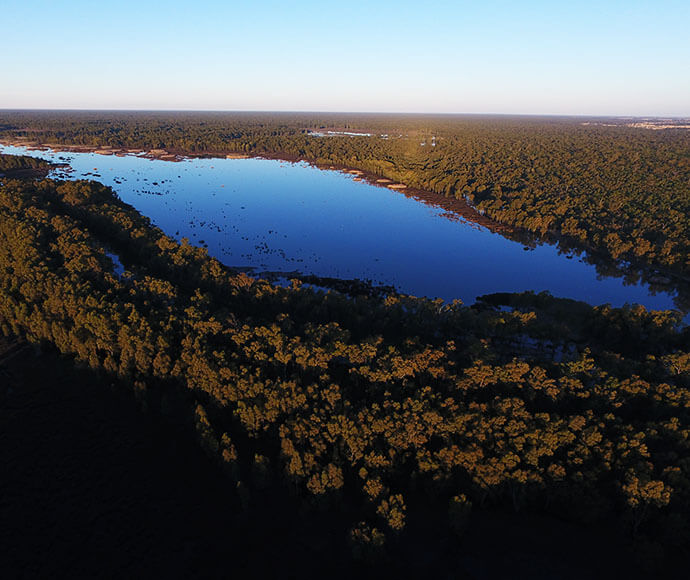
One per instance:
(272, 216)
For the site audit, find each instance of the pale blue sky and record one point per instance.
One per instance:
(535, 57)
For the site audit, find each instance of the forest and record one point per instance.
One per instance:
(23, 166)
(618, 191)
(383, 410)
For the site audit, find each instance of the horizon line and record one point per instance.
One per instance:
(321, 112)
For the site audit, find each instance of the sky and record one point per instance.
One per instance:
(627, 58)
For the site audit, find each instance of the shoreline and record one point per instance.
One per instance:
(454, 209)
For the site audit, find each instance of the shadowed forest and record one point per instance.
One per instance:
(401, 429)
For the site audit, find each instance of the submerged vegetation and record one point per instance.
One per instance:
(378, 408)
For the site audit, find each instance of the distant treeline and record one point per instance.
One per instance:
(380, 408)
(622, 191)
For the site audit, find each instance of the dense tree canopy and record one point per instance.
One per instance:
(380, 406)
(13, 165)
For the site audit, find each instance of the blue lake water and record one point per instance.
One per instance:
(284, 217)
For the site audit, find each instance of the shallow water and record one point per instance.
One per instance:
(275, 216)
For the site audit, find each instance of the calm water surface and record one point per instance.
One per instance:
(275, 216)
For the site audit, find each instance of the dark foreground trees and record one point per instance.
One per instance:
(379, 409)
